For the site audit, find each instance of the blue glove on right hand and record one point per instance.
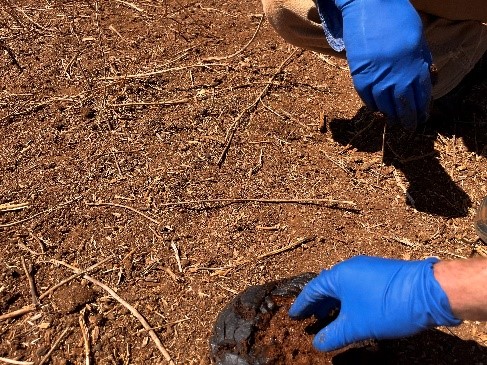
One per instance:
(387, 54)
(378, 298)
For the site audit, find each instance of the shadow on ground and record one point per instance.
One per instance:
(432, 347)
(431, 188)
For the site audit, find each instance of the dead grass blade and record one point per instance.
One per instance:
(220, 58)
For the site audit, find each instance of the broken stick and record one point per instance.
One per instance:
(248, 109)
(132, 310)
(32, 286)
(86, 336)
(55, 345)
(30, 308)
(16, 362)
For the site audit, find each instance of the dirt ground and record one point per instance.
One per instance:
(189, 152)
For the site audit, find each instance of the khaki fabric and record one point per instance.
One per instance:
(456, 45)
(454, 9)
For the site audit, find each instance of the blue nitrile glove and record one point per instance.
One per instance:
(378, 298)
(387, 54)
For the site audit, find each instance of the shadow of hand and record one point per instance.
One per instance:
(431, 188)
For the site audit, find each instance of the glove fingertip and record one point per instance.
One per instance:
(295, 311)
(325, 341)
(300, 307)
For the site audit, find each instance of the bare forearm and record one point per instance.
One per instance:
(465, 284)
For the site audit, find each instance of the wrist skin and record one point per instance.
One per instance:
(465, 284)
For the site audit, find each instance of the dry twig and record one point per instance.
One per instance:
(150, 103)
(5, 225)
(257, 200)
(30, 308)
(9, 207)
(176, 253)
(340, 164)
(225, 269)
(259, 165)
(74, 276)
(326, 59)
(16, 362)
(41, 243)
(262, 17)
(32, 20)
(132, 310)
(249, 108)
(356, 135)
(86, 337)
(11, 53)
(452, 254)
(403, 241)
(160, 72)
(55, 345)
(404, 189)
(32, 286)
(289, 247)
(130, 5)
(100, 204)
(17, 313)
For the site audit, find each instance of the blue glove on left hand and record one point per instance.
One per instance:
(378, 299)
(387, 54)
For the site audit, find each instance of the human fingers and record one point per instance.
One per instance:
(317, 298)
(385, 101)
(422, 90)
(336, 335)
(405, 104)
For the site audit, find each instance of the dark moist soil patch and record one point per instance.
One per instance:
(285, 341)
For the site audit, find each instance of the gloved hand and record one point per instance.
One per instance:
(378, 298)
(387, 54)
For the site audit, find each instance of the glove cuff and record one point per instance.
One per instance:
(332, 22)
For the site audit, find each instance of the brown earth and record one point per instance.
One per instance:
(286, 341)
(114, 117)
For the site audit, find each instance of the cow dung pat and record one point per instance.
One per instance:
(255, 329)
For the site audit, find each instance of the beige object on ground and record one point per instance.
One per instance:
(456, 43)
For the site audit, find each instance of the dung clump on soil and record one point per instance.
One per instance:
(255, 329)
